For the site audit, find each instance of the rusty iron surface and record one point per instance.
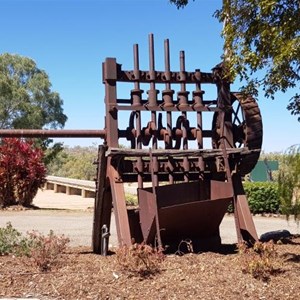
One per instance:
(161, 104)
(43, 133)
(185, 211)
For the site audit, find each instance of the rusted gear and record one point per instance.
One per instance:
(246, 127)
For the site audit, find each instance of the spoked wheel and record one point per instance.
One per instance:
(246, 128)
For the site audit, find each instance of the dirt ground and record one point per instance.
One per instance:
(80, 274)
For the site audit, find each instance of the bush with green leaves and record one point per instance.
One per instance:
(289, 183)
(262, 197)
(43, 250)
(22, 171)
(12, 241)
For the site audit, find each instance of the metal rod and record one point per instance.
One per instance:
(44, 133)
(168, 89)
(186, 163)
(104, 240)
(177, 133)
(137, 87)
(136, 65)
(153, 101)
(138, 115)
(182, 69)
(183, 101)
(151, 61)
(154, 185)
(199, 94)
(136, 93)
(200, 141)
(169, 114)
(167, 61)
(152, 91)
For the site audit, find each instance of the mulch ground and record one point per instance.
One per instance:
(80, 274)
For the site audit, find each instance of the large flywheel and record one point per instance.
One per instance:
(246, 128)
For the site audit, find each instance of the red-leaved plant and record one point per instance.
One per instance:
(22, 171)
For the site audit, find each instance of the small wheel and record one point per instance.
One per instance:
(247, 130)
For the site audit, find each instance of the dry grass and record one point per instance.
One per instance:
(80, 274)
(140, 259)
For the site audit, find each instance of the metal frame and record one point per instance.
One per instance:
(175, 163)
(200, 182)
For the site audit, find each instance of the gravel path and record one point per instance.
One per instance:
(73, 217)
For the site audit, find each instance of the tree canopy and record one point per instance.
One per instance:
(26, 99)
(75, 162)
(262, 45)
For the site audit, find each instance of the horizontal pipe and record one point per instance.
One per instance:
(177, 133)
(44, 133)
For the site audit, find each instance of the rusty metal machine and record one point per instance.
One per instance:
(191, 188)
(191, 184)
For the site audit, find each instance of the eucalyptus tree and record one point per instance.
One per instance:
(27, 100)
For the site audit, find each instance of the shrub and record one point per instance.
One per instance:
(262, 197)
(140, 259)
(289, 183)
(22, 172)
(260, 261)
(12, 242)
(131, 200)
(46, 250)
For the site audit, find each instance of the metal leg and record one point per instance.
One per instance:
(103, 202)
(120, 210)
(160, 246)
(246, 227)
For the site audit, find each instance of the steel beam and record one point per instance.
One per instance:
(44, 133)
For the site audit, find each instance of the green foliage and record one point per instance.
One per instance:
(262, 197)
(76, 162)
(271, 156)
(289, 183)
(262, 35)
(43, 250)
(26, 99)
(51, 152)
(180, 3)
(131, 200)
(22, 172)
(12, 242)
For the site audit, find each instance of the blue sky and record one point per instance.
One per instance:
(69, 39)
